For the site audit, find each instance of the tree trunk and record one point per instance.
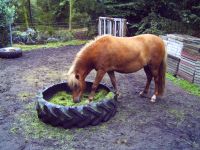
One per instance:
(4, 38)
(25, 16)
(71, 2)
(30, 12)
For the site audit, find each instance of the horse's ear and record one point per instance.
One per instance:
(77, 76)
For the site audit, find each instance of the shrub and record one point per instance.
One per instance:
(28, 37)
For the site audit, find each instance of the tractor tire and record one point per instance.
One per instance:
(67, 117)
(10, 52)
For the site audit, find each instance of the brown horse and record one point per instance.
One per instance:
(107, 54)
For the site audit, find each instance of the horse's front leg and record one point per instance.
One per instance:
(98, 78)
(113, 81)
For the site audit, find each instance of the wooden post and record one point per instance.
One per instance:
(125, 27)
(99, 27)
(109, 28)
(104, 24)
(115, 29)
(120, 27)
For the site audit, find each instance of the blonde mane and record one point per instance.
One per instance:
(89, 44)
(72, 81)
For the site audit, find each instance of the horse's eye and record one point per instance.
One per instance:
(76, 87)
(77, 76)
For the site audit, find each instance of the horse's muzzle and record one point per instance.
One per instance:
(77, 100)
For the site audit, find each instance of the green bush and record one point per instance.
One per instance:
(64, 35)
(158, 25)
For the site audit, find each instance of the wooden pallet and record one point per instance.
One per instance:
(173, 64)
(197, 72)
(187, 66)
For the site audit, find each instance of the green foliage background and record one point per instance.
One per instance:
(7, 12)
(157, 16)
(143, 16)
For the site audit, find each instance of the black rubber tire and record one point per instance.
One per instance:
(74, 116)
(14, 54)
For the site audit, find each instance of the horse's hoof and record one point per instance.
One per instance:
(142, 94)
(117, 93)
(90, 98)
(153, 99)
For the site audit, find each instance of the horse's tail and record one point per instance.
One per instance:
(162, 72)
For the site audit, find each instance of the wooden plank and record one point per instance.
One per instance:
(186, 69)
(104, 25)
(99, 26)
(173, 57)
(185, 76)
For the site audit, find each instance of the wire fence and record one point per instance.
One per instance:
(36, 25)
(80, 30)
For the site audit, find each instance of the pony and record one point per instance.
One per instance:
(110, 54)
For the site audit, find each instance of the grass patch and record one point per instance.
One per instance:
(185, 85)
(50, 45)
(25, 96)
(65, 99)
(30, 126)
(179, 115)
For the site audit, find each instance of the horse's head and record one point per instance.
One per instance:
(77, 85)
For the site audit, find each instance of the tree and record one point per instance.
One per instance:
(153, 16)
(22, 14)
(30, 12)
(86, 12)
(71, 4)
(7, 12)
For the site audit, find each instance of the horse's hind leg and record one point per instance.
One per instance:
(147, 70)
(155, 73)
(98, 78)
(113, 81)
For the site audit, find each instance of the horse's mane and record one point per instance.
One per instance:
(72, 81)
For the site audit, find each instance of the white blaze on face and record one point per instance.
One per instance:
(71, 78)
(72, 81)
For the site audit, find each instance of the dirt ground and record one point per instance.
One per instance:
(172, 123)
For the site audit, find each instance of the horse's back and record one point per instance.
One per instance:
(125, 54)
(145, 44)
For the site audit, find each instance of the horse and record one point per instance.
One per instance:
(110, 54)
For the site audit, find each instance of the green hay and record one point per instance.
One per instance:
(65, 99)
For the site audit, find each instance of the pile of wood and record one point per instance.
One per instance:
(184, 56)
